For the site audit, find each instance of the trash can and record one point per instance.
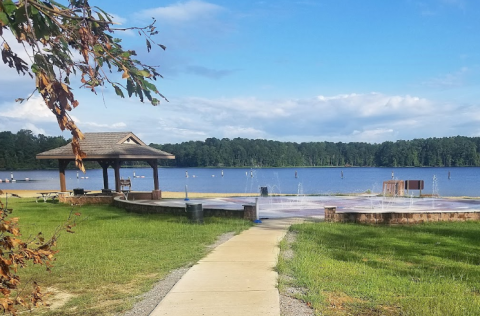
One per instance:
(78, 191)
(194, 213)
(264, 191)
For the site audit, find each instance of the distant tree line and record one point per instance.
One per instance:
(239, 152)
(18, 151)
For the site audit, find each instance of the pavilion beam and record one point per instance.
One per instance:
(116, 166)
(62, 166)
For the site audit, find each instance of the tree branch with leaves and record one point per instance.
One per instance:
(16, 253)
(52, 34)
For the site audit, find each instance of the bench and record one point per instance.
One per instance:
(47, 195)
(125, 183)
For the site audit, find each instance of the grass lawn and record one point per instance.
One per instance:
(113, 255)
(348, 269)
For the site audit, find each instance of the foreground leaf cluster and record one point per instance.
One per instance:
(16, 253)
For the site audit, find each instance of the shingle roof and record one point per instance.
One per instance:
(112, 145)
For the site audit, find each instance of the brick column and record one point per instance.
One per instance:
(250, 212)
(330, 213)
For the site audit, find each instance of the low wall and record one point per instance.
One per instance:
(108, 199)
(145, 195)
(131, 206)
(399, 217)
(86, 199)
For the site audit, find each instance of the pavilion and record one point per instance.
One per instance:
(109, 149)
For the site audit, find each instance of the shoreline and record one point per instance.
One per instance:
(198, 195)
(165, 194)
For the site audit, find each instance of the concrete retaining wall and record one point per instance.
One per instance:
(86, 199)
(398, 218)
(145, 195)
(131, 206)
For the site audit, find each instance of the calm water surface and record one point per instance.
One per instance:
(462, 182)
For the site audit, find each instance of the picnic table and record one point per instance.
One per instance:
(47, 195)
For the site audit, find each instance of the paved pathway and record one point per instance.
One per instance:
(236, 278)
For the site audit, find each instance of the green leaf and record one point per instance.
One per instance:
(33, 10)
(150, 86)
(155, 101)
(35, 68)
(4, 18)
(144, 73)
(9, 6)
(147, 94)
(130, 87)
(139, 92)
(20, 16)
(98, 48)
(118, 91)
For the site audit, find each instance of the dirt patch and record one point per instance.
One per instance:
(339, 300)
(55, 299)
(338, 304)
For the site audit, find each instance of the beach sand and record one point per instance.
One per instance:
(165, 195)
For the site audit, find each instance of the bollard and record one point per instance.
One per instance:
(186, 193)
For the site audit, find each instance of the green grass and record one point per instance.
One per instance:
(113, 255)
(348, 269)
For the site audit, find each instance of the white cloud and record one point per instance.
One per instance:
(370, 117)
(33, 110)
(243, 132)
(35, 130)
(95, 125)
(448, 81)
(182, 12)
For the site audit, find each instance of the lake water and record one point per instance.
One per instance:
(463, 181)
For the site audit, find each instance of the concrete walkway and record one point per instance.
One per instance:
(236, 278)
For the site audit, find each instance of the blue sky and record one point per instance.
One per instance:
(299, 71)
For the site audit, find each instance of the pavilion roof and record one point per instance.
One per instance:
(110, 145)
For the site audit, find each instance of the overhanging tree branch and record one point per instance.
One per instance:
(54, 31)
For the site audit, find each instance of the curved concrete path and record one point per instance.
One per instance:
(236, 278)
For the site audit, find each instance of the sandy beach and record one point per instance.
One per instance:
(165, 195)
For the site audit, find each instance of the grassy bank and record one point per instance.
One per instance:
(113, 256)
(348, 269)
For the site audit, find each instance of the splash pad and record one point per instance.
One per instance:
(313, 206)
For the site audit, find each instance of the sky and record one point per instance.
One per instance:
(301, 71)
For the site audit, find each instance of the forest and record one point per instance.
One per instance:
(239, 152)
(18, 151)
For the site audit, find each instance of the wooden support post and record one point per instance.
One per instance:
(116, 166)
(62, 165)
(154, 165)
(105, 165)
